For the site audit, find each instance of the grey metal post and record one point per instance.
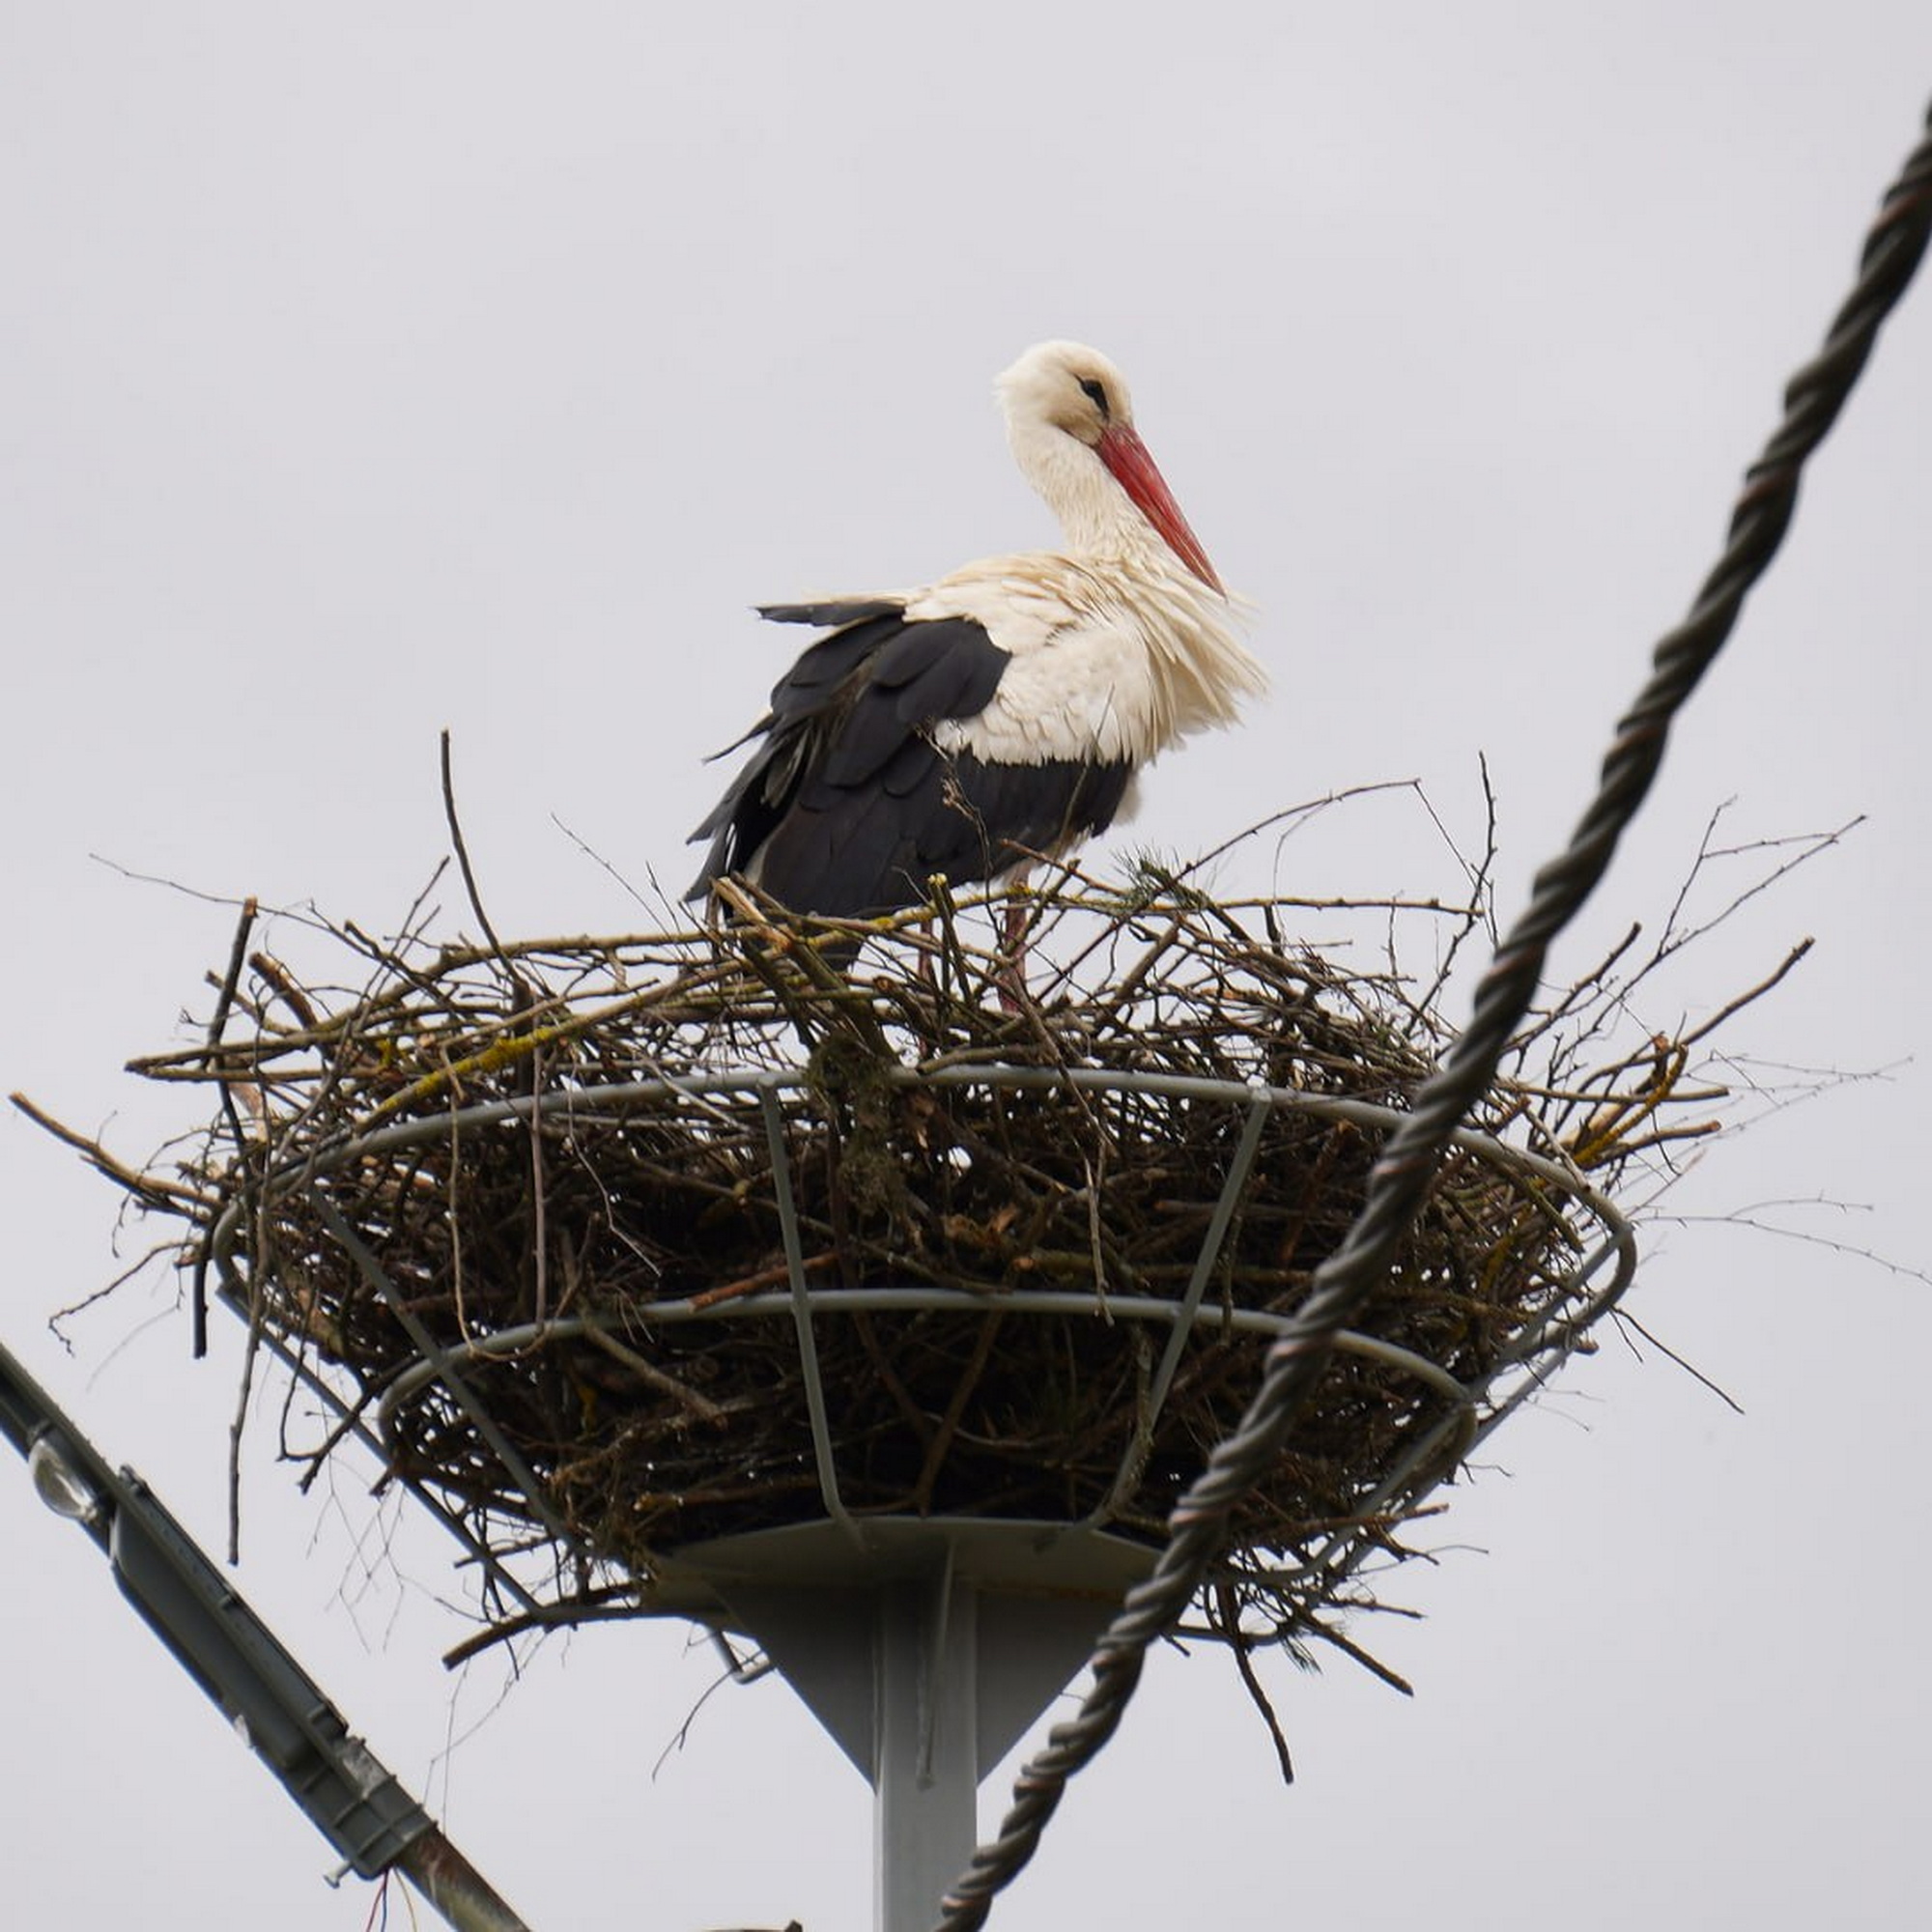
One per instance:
(925, 1775)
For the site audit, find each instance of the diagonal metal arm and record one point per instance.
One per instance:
(801, 1311)
(1134, 1460)
(349, 1796)
(433, 1351)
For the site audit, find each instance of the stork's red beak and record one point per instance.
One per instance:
(1127, 458)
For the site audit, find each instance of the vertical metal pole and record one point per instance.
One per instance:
(926, 1770)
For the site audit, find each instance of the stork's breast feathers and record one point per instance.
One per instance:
(1104, 665)
(1085, 694)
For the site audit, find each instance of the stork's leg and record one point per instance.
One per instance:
(1012, 945)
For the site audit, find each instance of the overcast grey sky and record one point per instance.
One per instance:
(371, 370)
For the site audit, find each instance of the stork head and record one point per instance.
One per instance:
(1071, 421)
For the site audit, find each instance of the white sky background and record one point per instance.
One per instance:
(361, 378)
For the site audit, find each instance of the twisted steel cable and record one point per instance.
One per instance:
(1401, 1175)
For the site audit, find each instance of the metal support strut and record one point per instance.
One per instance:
(926, 1646)
(350, 1797)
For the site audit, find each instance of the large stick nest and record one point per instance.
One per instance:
(515, 1163)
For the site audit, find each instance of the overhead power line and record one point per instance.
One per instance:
(1399, 1178)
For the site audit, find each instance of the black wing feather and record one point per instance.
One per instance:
(832, 612)
(927, 671)
(848, 808)
(821, 667)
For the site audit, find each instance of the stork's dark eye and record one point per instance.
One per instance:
(1096, 394)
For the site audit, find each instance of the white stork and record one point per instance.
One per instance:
(1003, 711)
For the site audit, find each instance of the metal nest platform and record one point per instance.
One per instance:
(651, 1431)
(621, 1252)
